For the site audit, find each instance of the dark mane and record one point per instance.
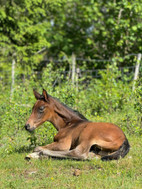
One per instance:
(75, 112)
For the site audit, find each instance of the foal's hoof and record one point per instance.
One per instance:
(27, 158)
(34, 155)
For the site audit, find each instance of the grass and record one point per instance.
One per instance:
(16, 173)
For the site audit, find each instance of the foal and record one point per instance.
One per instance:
(77, 137)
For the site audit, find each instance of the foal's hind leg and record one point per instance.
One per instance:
(77, 153)
(80, 153)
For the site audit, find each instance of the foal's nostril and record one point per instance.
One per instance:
(27, 127)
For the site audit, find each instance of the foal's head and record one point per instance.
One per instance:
(42, 111)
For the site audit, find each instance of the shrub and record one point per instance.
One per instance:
(107, 99)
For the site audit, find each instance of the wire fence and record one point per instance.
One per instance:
(84, 76)
(6, 77)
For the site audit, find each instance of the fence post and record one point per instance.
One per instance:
(12, 77)
(77, 77)
(137, 69)
(73, 68)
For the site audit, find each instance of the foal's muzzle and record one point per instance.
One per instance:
(28, 128)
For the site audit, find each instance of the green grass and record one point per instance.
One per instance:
(15, 172)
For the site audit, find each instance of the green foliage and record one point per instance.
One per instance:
(105, 95)
(31, 30)
(111, 99)
(24, 26)
(97, 29)
(107, 99)
(138, 96)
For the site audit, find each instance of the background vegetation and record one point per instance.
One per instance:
(90, 29)
(40, 36)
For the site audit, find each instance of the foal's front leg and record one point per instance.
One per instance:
(55, 146)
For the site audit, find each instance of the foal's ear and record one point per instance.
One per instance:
(45, 95)
(37, 95)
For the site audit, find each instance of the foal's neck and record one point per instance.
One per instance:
(64, 116)
(58, 122)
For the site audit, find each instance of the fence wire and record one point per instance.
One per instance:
(84, 76)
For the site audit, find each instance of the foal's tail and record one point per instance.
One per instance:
(120, 153)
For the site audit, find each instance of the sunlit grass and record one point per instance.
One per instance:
(126, 173)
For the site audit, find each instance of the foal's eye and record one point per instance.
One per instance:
(41, 109)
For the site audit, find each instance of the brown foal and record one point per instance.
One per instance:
(77, 138)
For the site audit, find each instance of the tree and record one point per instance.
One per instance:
(98, 29)
(91, 29)
(24, 29)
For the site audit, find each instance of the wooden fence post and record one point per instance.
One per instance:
(12, 77)
(77, 77)
(73, 68)
(137, 69)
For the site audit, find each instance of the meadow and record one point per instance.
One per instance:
(88, 55)
(126, 173)
(107, 100)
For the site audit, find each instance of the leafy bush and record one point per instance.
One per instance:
(106, 94)
(108, 99)
(111, 99)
